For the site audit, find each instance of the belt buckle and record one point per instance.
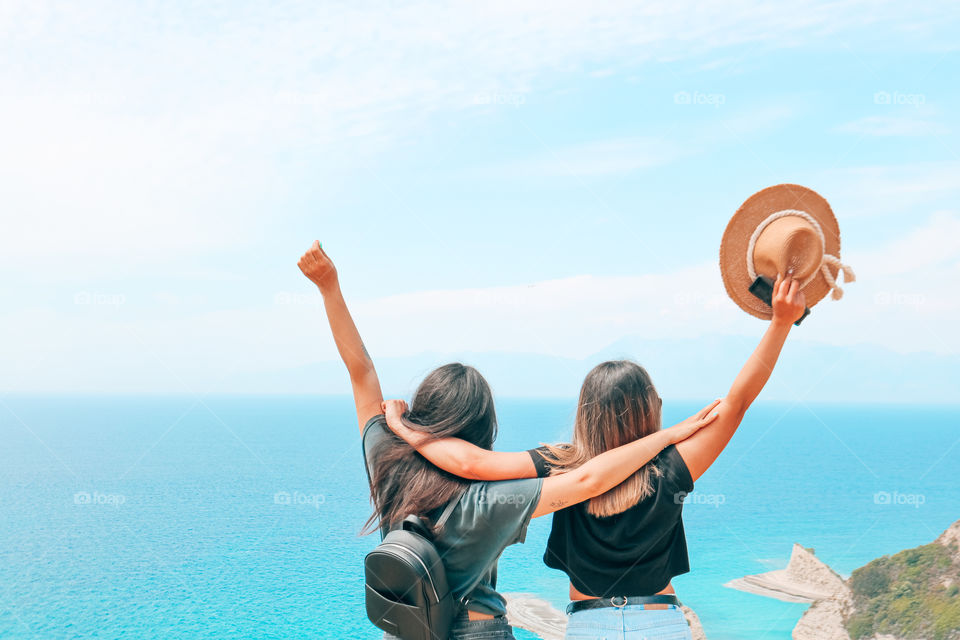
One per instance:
(613, 601)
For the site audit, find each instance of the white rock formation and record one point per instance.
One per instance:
(538, 616)
(951, 539)
(806, 579)
(823, 621)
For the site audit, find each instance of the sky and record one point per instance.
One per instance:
(516, 177)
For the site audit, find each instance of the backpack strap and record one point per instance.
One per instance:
(448, 511)
(363, 451)
(461, 603)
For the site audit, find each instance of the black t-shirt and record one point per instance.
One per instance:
(633, 553)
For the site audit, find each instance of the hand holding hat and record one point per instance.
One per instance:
(779, 230)
(788, 302)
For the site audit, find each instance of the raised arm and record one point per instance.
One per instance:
(457, 456)
(700, 451)
(318, 267)
(605, 471)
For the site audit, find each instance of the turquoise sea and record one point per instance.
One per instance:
(238, 517)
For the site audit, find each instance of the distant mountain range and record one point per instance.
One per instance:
(698, 369)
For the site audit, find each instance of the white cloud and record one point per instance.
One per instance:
(870, 192)
(139, 129)
(603, 157)
(571, 317)
(894, 126)
(904, 300)
(933, 246)
(622, 155)
(138, 133)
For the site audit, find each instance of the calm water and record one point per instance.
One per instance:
(172, 516)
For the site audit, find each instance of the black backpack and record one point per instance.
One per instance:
(406, 584)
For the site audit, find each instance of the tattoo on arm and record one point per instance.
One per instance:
(557, 504)
(366, 353)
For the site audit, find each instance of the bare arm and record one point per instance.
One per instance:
(318, 267)
(605, 471)
(597, 476)
(458, 456)
(702, 449)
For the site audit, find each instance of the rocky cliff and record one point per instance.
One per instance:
(913, 595)
(806, 579)
(910, 595)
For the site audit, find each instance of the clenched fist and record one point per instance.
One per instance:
(318, 266)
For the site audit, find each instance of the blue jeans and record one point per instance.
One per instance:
(631, 622)
(465, 629)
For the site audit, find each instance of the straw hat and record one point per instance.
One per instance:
(778, 229)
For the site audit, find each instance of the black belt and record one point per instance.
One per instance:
(619, 602)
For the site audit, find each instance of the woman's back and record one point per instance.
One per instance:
(490, 517)
(636, 552)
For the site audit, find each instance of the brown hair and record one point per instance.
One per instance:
(452, 401)
(618, 404)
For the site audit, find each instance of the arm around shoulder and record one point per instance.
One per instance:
(457, 456)
(605, 471)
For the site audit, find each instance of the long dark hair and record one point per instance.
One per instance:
(618, 404)
(452, 401)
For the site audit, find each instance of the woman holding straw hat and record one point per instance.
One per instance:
(621, 549)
